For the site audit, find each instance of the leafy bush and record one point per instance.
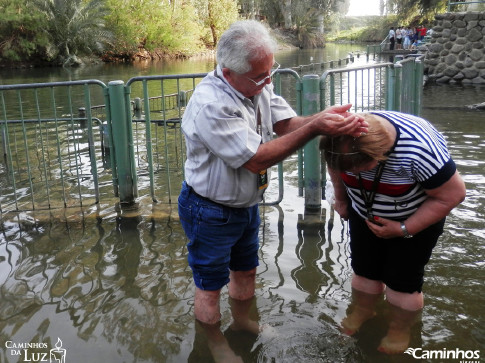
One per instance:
(19, 29)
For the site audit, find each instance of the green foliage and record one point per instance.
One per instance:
(412, 12)
(74, 27)
(19, 30)
(372, 31)
(60, 30)
(168, 28)
(273, 10)
(308, 22)
(179, 33)
(216, 23)
(307, 29)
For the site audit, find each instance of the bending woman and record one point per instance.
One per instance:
(396, 185)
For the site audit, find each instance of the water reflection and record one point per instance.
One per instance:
(123, 284)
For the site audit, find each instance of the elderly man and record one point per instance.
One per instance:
(228, 127)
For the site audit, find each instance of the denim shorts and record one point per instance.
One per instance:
(398, 262)
(220, 238)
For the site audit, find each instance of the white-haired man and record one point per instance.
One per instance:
(228, 127)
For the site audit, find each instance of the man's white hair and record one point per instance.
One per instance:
(243, 42)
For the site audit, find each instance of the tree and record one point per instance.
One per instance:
(20, 26)
(286, 10)
(161, 27)
(217, 15)
(74, 27)
(414, 9)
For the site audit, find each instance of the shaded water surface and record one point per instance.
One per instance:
(119, 289)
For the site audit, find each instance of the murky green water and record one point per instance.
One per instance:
(120, 290)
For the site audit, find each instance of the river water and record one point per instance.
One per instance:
(119, 289)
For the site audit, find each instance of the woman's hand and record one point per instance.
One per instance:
(385, 228)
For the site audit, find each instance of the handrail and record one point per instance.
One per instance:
(9, 87)
(463, 3)
(384, 42)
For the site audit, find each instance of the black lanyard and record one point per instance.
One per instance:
(369, 198)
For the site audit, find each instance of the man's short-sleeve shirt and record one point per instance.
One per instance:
(221, 134)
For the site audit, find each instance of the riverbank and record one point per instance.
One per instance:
(286, 39)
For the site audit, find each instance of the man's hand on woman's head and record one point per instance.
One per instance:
(334, 124)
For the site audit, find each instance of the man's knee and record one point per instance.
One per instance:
(242, 276)
(242, 284)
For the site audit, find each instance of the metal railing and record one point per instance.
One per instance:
(317, 67)
(51, 157)
(451, 3)
(60, 150)
(159, 144)
(390, 86)
(376, 49)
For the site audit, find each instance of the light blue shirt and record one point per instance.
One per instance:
(220, 128)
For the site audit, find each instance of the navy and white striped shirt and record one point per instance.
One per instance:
(418, 160)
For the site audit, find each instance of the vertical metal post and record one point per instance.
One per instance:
(123, 143)
(323, 103)
(281, 187)
(397, 87)
(299, 111)
(418, 90)
(393, 83)
(137, 107)
(311, 152)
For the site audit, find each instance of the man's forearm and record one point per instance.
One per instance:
(276, 150)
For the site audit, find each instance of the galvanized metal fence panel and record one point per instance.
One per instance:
(75, 144)
(390, 86)
(158, 141)
(364, 87)
(52, 154)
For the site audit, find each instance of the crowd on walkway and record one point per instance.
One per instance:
(407, 38)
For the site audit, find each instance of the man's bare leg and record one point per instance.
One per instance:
(207, 306)
(207, 312)
(241, 293)
(217, 343)
(242, 284)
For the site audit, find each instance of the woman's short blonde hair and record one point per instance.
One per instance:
(346, 152)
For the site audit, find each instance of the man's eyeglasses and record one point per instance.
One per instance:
(263, 81)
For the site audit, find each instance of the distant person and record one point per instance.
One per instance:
(392, 38)
(395, 185)
(422, 32)
(407, 38)
(414, 39)
(399, 35)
